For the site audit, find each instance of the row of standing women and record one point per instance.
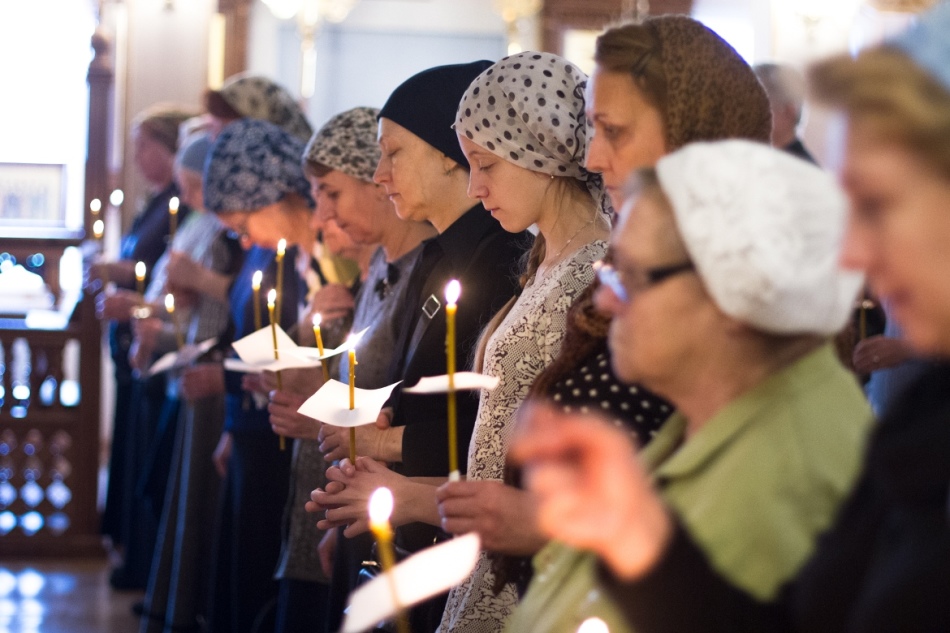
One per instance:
(719, 291)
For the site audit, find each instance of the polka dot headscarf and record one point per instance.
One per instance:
(529, 110)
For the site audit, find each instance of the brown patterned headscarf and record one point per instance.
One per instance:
(705, 92)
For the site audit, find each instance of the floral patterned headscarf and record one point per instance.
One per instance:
(347, 143)
(251, 165)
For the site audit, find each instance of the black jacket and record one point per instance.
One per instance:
(486, 260)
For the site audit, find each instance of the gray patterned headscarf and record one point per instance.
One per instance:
(529, 110)
(257, 97)
(251, 165)
(347, 143)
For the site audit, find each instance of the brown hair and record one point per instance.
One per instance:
(635, 49)
(217, 106)
(913, 110)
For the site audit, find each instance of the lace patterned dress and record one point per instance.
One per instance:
(527, 341)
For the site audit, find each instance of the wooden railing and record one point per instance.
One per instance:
(50, 386)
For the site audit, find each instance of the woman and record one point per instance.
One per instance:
(883, 564)
(255, 97)
(199, 271)
(254, 183)
(425, 174)
(339, 162)
(127, 520)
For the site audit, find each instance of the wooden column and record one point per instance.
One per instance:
(559, 16)
(236, 19)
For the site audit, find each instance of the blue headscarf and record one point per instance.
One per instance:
(928, 42)
(251, 165)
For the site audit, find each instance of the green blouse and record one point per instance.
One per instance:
(754, 486)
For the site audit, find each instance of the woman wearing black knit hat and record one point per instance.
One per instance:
(425, 174)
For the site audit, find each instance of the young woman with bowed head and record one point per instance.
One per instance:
(424, 173)
(884, 562)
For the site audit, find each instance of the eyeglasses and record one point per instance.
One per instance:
(627, 283)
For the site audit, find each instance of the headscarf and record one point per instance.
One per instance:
(251, 165)
(257, 97)
(347, 143)
(426, 103)
(711, 92)
(193, 152)
(528, 109)
(928, 43)
(764, 230)
(161, 123)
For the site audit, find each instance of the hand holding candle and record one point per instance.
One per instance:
(170, 308)
(256, 287)
(452, 292)
(317, 319)
(271, 304)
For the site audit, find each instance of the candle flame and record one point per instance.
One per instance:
(354, 339)
(139, 271)
(95, 205)
(380, 507)
(169, 303)
(593, 625)
(173, 205)
(281, 246)
(317, 319)
(98, 228)
(116, 198)
(452, 292)
(256, 280)
(272, 298)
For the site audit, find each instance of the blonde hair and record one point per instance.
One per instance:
(885, 89)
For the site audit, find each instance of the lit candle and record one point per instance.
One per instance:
(593, 625)
(140, 277)
(98, 229)
(352, 356)
(271, 304)
(95, 205)
(380, 509)
(116, 198)
(170, 309)
(281, 249)
(173, 203)
(317, 319)
(452, 292)
(256, 287)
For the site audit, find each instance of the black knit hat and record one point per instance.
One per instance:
(426, 103)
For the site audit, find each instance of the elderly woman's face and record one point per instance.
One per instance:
(263, 227)
(411, 171)
(657, 330)
(899, 232)
(629, 132)
(353, 205)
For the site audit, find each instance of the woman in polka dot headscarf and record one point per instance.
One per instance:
(522, 126)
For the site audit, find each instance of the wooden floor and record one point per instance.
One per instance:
(63, 597)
